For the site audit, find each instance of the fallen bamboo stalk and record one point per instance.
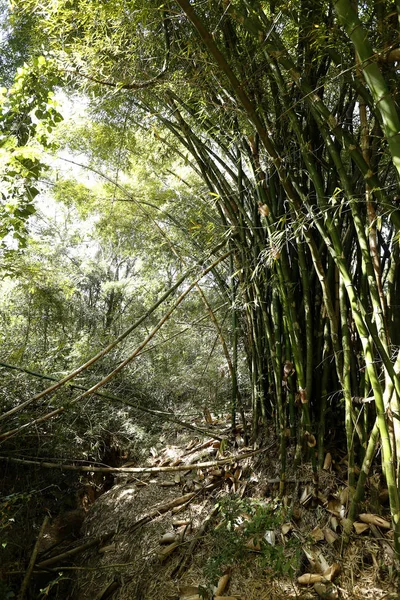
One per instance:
(160, 510)
(93, 469)
(159, 414)
(121, 337)
(60, 557)
(72, 568)
(199, 447)
(109, 589)
(123, 364)
(32, 561)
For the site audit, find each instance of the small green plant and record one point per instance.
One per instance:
(246, 520)
(281, 559)
(10, 506)
(228, 548)
(6, 592)
(44, 592)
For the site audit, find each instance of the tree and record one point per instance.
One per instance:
(28, 114)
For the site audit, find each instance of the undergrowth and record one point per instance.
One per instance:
(250, 529)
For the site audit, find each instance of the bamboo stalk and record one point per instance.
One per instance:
(175, 469)
(28, 574)
(125, 362)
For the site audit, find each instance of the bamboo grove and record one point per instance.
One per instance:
(289, 114)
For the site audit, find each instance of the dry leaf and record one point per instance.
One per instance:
(327, 461)
(375, 520)
(323, 500)
(238, 473)
(327, 592)
(223, 583)
(181, 523)
(286, 527)
(334, 523)
(316, 559)
(360, 527)
(332, 571)
(296, 514)
(168, 538)
(330, 536)
(263, 210)
(345, 495)
(311, 441)
(207, 416)
(269, 537)
(216, 472)
(310, 579)
(254, 545)
(335, 507)
(317, 534)
(306, 495)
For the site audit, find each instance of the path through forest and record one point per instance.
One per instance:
(202, 519)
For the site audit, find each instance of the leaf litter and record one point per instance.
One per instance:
(166, 529)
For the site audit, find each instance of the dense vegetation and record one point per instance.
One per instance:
(247, 149)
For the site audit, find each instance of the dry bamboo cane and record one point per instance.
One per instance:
(25, 583)
(93, 469)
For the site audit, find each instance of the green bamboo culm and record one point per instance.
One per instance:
(384, 102)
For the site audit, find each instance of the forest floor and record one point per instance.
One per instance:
(221, 531)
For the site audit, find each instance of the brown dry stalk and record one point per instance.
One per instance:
(32, 561)
(91, 469)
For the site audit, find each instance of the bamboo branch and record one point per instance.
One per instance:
(122, 365)
(160, 414)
